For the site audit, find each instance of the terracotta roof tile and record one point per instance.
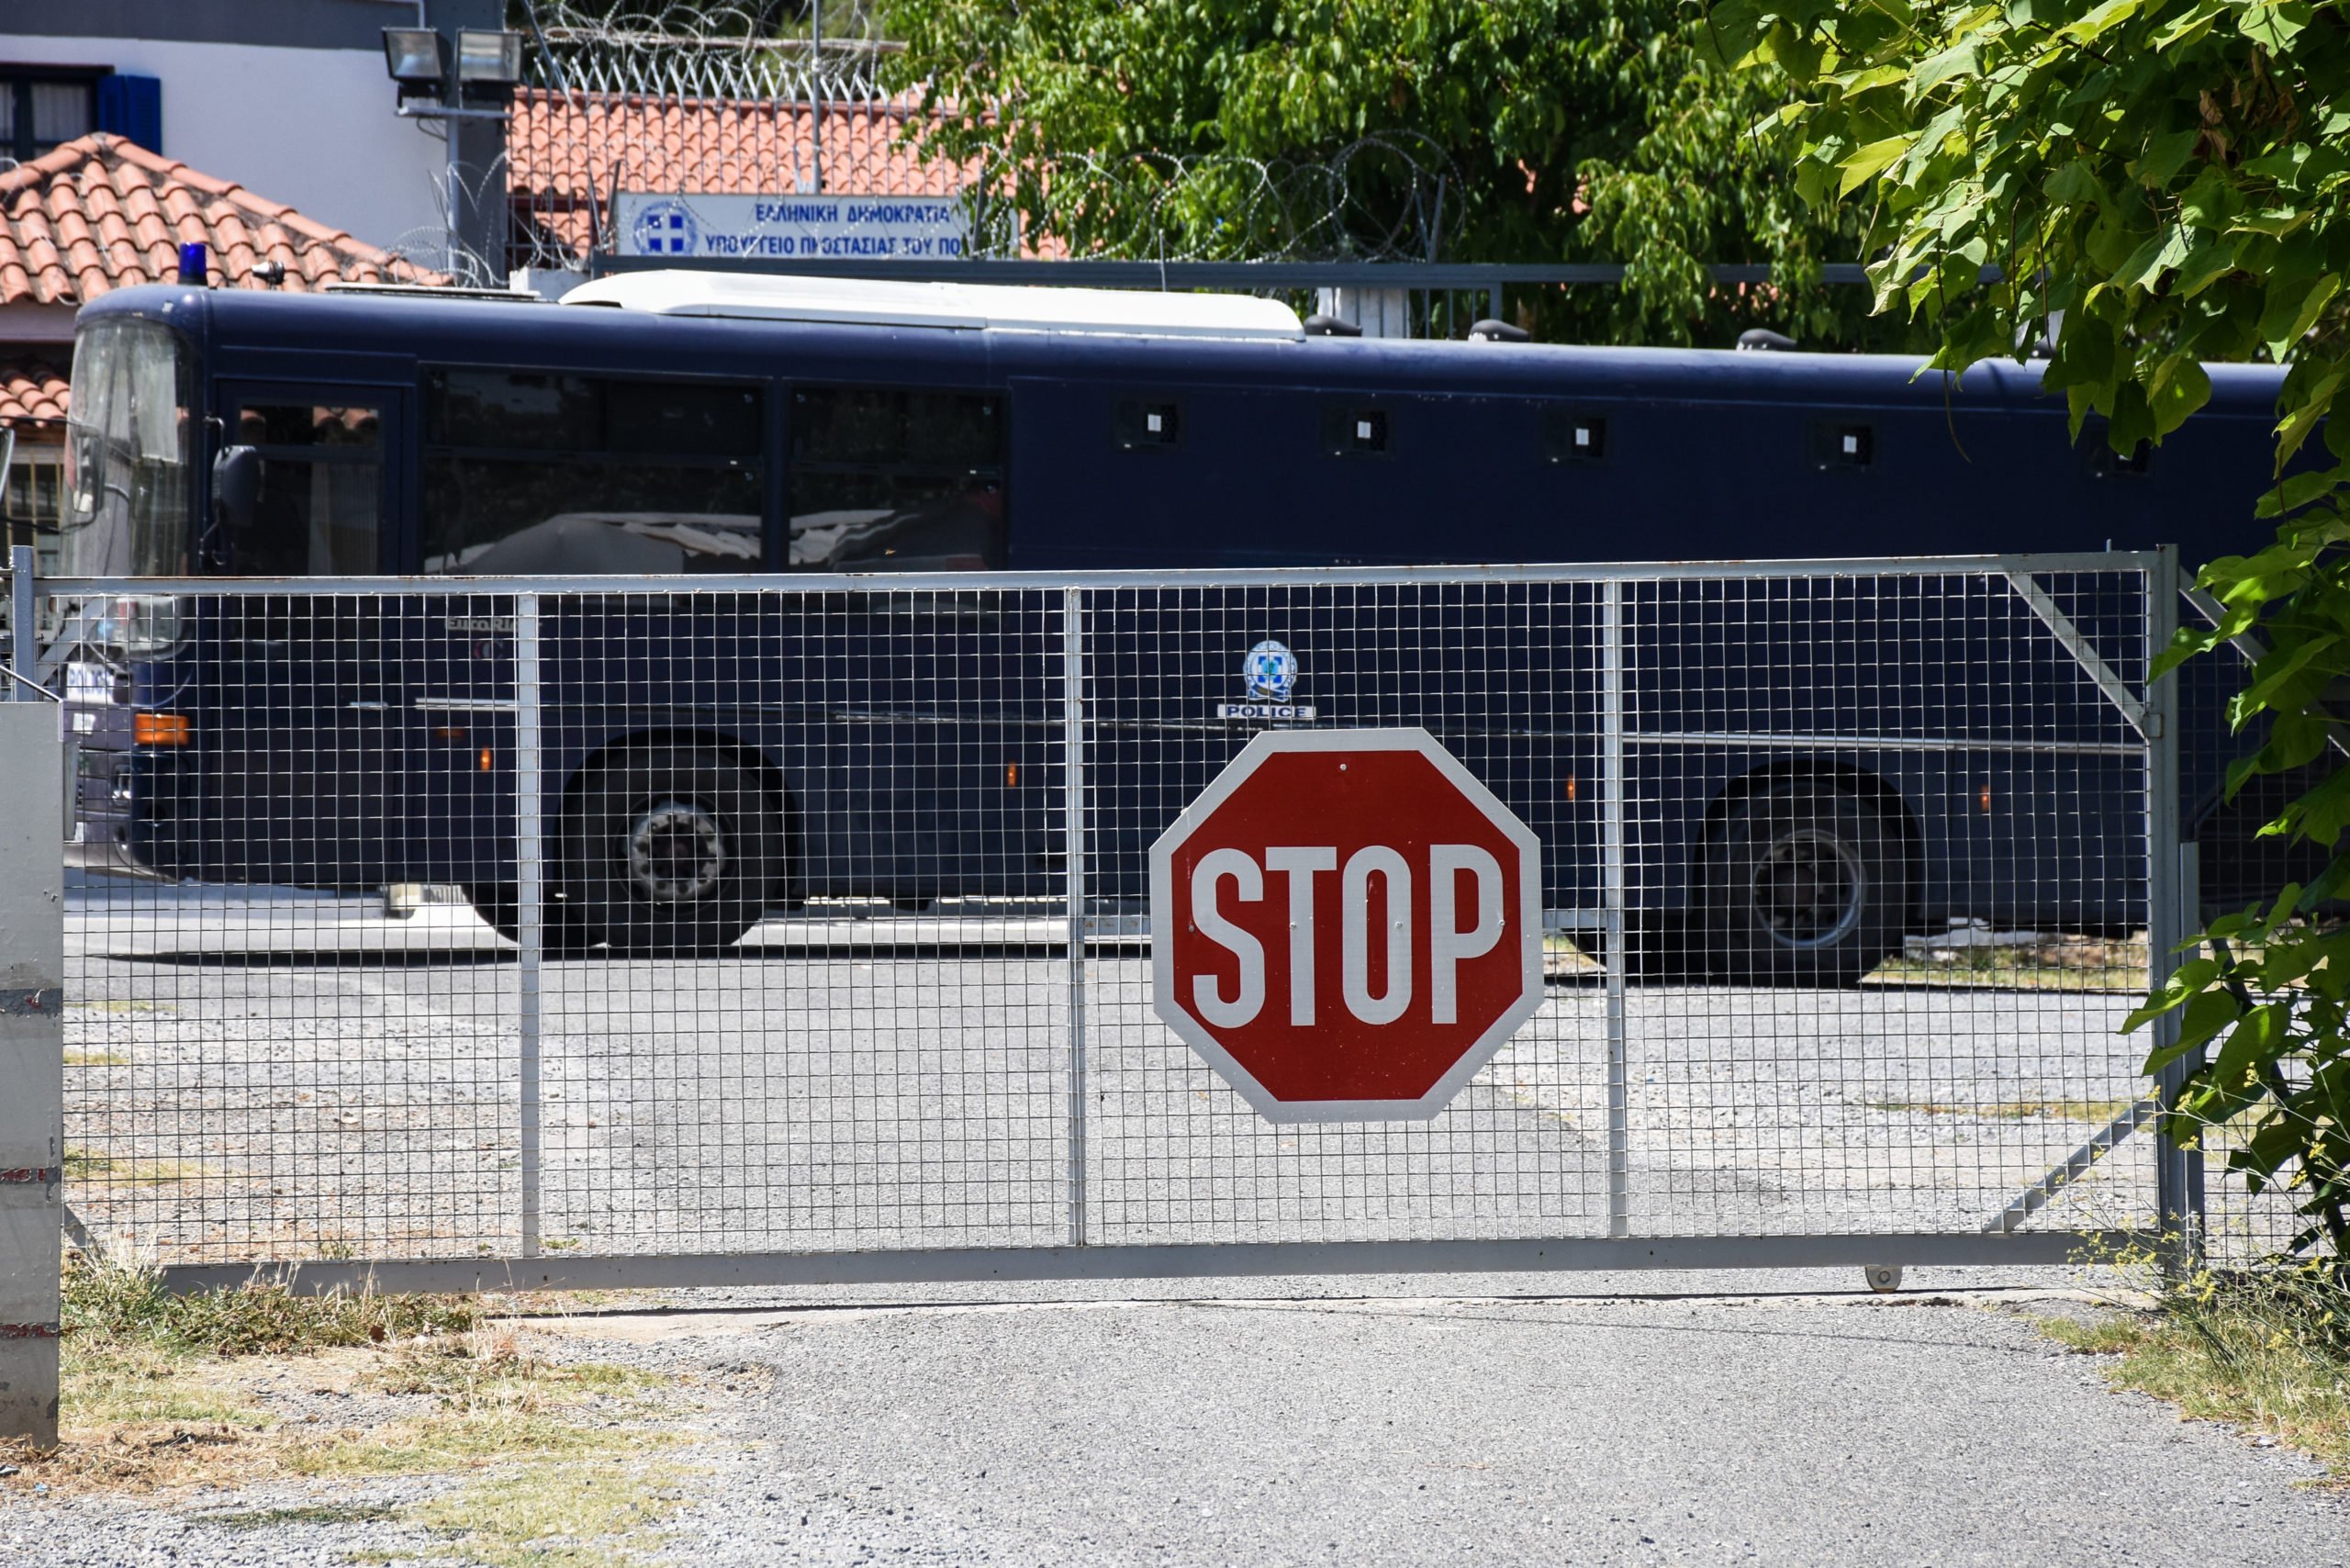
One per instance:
(101, 213)
(564, 149)
(32, 391)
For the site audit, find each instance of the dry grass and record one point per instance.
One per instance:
(2053, 963)
(80, 1164)
(2267, 1351)
(547, 1517)
(559, 1465)
(2015, 969)
(2098, 1111)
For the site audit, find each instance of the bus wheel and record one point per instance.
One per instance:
(668, 851)
(498, 905)
(1660, 947)
(1805, 885)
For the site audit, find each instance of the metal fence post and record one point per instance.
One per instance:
(2169, 922)
(32, 1071)
(1073, 827)
(24, 656)
(529, 893)
(1611, 851)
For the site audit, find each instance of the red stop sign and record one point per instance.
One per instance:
(1347, 926)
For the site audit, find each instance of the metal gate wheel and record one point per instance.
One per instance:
(1882, 1277)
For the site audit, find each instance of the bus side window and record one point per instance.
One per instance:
(541, 471)
(894, 479)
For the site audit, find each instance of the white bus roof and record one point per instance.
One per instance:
(887, 302)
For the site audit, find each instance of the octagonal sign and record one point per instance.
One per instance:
(1347, 926)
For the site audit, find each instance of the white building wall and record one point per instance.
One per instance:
(311, 127)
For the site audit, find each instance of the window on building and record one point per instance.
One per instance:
(30, 504)
(42, 106)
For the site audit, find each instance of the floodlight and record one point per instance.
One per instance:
(414, 58)
(488, 59)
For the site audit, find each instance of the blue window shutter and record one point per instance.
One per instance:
(132, 107)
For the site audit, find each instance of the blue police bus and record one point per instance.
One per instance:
(710, 756)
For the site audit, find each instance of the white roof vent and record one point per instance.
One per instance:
(889, 302)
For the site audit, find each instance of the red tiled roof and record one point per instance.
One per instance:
(32, 391)
(560, 147)
(100, 213)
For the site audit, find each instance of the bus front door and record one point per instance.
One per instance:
(305, 733)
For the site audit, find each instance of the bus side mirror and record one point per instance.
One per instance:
(236, 487)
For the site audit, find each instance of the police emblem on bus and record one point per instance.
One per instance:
(1269, 674)
(1271, 671)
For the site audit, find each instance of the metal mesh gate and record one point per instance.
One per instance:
(820, 948)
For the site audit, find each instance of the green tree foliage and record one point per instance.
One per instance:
(1508, 130)
(2169, 175)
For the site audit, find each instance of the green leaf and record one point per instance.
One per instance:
(1958, 60)
(2177, 388)
(2289, 320)
(2188, 29)
(2075, 184)
(2098, 23)
(2164, 157)
(2274, 27)
(1865, 165)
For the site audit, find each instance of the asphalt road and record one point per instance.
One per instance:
(1594, 1431)
(262, 1074)
(1616, 1428)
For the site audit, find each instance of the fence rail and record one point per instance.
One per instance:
(601, 931)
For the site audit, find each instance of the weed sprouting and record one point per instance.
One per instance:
(128, 1304)
(2266, 1349)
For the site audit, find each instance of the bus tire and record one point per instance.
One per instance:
(1660, 947)
(668, 851)
(1805, 885)
(499, 904)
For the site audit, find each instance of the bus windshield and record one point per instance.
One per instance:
(127, 453)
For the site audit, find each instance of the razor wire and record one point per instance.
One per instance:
(724, 102)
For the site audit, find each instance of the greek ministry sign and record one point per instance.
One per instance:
(696, 225)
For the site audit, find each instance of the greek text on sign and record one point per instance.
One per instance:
(1347, 926)
(697, 224)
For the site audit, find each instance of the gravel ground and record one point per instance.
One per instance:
(1791, 1421)
(257, 1073)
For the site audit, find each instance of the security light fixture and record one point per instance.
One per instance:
(414, 57)
(488, 59)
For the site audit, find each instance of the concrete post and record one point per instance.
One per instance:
(1380, 313)
(32, 1068)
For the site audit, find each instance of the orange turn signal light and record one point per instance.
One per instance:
(161, 728)
(487, 759)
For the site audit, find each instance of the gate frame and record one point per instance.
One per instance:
(2170, 873)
